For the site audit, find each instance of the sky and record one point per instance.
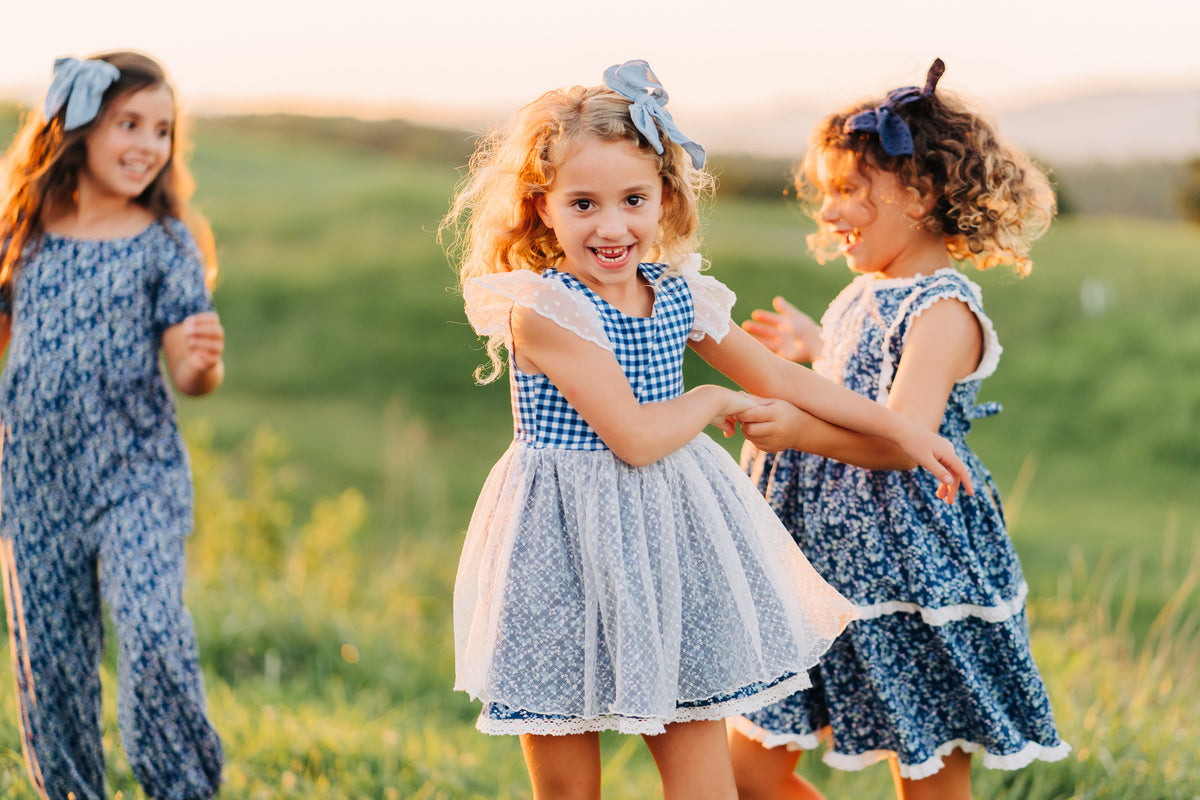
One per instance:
(381, 57)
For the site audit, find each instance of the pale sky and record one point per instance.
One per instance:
(712, 55)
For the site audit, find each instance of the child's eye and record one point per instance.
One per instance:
(583, 205)
(635, 200)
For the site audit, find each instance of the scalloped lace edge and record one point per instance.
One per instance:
(946, 614)
(646, 726)
(973, 297)
(848, 762)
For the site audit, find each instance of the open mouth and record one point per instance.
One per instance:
(135, 170)
(611, 255)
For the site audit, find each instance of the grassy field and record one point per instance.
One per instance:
(337, 467)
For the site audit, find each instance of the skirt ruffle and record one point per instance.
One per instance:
(895, 685)
(594, 592)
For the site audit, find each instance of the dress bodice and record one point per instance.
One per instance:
(866, 327)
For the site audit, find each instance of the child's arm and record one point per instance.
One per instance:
(594, 384)
(763, 373)
(193, 349)
(943, 346)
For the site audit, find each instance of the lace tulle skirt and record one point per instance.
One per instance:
(595, 595)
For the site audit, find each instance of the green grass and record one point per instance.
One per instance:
(337, 468)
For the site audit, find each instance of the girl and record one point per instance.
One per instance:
(619, 572)
(938, 664)
(99, 273)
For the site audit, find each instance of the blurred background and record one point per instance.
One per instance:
(337, 467)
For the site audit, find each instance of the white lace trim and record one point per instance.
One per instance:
(771, 740)
(712, 301)
(945, 614)
(1031, 752)
(646, 726)
(964, 289)
(489, 300)
(853, 762)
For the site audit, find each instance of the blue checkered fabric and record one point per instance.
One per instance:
(650, 350)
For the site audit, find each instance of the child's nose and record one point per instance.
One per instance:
(612, 223)
(828, 211)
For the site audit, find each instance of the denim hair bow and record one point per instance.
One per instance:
(636, 82)
(80, 86)
(894, 134)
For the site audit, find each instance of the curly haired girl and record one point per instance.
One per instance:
(938, 665)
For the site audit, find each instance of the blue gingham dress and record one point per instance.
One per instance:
(940, 658)
(596, 595)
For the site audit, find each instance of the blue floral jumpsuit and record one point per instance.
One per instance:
(96, 504)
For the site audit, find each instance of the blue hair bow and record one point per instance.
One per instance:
(80, 86)
(894, 134)
(636, 82)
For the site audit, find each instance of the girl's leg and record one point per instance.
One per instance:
(951, 782)
(693, 760)
(57, 639)
(172, 747)
(563, 767)
(764, 773)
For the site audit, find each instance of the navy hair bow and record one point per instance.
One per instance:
(894, 134)
(79, 85)
(635, 81)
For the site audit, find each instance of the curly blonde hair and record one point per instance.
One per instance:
(44, 160)
(990, 200)
(493, 216)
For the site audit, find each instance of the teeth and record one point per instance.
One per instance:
(610, 253)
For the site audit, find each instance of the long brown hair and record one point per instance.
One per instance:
(44, 160)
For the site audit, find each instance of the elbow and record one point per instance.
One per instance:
(635, 454)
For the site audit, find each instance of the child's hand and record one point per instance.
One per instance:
(773, 425)
(787, 332)
(735, 404)
(193, 349)
(938, 456)
(204, 339)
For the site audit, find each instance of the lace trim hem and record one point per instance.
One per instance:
(771, 739)
(1031, 752)
(946, 614)
(645, 726)
(853, 762)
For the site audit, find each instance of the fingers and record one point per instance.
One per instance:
(203, 333)
(784, 307)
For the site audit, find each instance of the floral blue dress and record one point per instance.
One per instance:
(97, 502)
(593, 594)
(940, 657)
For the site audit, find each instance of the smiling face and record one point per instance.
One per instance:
(130, 144)
(604, 207)
(873, 218)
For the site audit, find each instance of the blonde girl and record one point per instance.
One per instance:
(102, 268)
(619, 572)
(938, 665)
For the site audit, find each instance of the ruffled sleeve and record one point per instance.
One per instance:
(952, 284)
(713, 301)
(490, 298)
